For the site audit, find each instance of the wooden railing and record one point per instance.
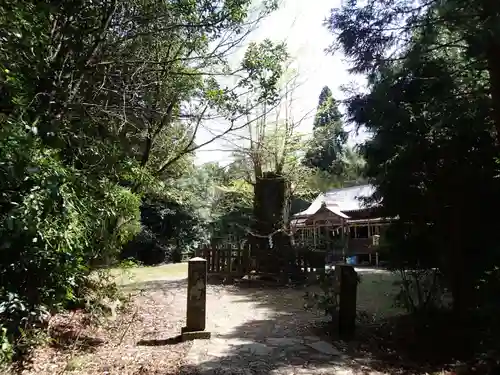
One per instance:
(238, 261)
(360, 246)
(234, 261)
(349, 246)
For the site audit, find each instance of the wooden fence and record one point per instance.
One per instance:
(239, 262)
(227, 260)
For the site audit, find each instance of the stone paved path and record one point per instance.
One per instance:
(262, 331)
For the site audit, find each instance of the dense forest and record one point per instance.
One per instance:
(102, 104)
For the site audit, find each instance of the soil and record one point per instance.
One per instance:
(126, 345)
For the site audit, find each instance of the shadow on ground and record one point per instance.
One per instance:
(278, 344)
(386, 340)
(281, 341)
(156, 285)
(170, 341)
(67, 339)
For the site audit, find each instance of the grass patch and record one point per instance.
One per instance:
(151, 273)
(376, 293)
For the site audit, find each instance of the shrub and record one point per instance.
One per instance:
(328, 299)
(169, 230)
(56, 226)
(421, 290)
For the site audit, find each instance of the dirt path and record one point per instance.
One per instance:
(254, 331)
(262, 331)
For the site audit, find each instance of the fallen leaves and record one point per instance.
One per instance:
(154, 315)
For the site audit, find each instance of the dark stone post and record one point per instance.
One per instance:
(196, 301)
(348, 284)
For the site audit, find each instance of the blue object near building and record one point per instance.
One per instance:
(352, 260)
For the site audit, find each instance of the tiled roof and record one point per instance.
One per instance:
(343, 200)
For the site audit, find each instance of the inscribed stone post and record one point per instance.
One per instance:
(348, 280)
(196, 301)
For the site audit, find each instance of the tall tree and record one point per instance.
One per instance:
(270, 156)
(432, 156)
(375, 33)
(100, 99)
(329, 137)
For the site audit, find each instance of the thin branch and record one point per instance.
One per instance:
(99, 40)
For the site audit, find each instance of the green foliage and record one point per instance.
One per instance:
(100, 106)
(432, 154)
(328, 299)
(229, 202)
(329, 137)
(374, 36)
(169, 230)
(56, 225)
(264, 63)
(421, 291)
(6, 349)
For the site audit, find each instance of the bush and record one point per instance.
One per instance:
(20, 321)
(328, 299)
(421, 290)
(412, 257)
(56, 226)
(6, 349)
(169, 230)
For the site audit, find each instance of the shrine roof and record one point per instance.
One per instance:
(340, 201)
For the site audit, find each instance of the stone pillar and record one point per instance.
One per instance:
(196, 301)
(348, 285)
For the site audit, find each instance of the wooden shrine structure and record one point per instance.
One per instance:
(342, 224)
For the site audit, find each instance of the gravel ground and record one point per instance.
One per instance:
(141, 340)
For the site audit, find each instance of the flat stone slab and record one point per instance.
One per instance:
(236, 342)
(255, 348)
(324, 348)
(283, 341)
(311, 338)
(250, 337)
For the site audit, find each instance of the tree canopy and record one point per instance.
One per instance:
(431, 111)
(329, 137)
(100, 108)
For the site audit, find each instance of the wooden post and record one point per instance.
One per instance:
(314, 233)
(210, 259)
(239, 260)
(348, 284)
(196, 301)
(246, 259)
(342, 235)
(376, 258)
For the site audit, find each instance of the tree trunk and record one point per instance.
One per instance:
(461, 280)
(271, 242)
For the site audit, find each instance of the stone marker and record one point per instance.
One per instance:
(196, 301)
(348, 285)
